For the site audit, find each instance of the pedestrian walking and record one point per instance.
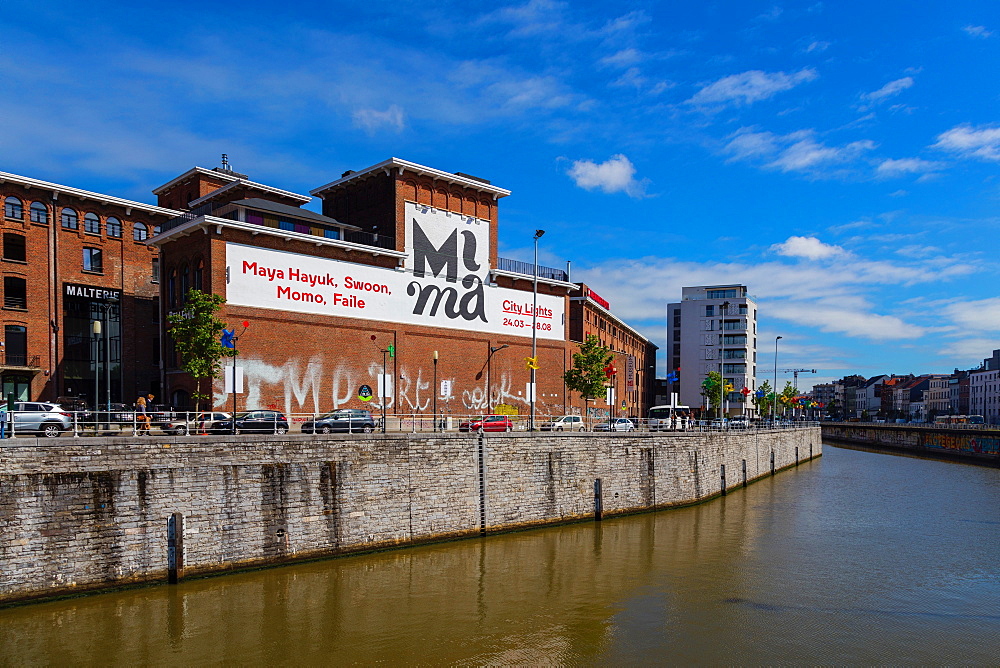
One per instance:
(142, 415)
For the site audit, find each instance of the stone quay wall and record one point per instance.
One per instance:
(974, 445)
(80, 515)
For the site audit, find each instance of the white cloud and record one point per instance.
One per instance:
(890, 167)
(817, 47)
(978, 315)
(851, 321)
(617, 174)
(372, 120)
(977, 31)
(807, 247)
(749, 87)
(622, 58)
(891, 89)
(794, 152)
(966, 141)
(918, 251)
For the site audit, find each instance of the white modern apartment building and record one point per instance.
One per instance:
(713, 328)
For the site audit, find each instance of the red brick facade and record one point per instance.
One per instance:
(56, 359)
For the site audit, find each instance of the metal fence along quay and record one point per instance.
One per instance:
(81, 424)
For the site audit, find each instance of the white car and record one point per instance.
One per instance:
(564, 423)
(617, 424)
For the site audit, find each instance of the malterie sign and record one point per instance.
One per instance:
(444, 283)
(91, 292)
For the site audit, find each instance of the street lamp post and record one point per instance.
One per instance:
(489, 366)
(723, 308)
(434, 390)
(534, 326)
(96, 328)
(774, 402)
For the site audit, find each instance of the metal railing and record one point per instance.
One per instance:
(190, 423)
(230, 211)
(22, 360)
(528, 269)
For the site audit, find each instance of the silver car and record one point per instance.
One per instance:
(39, 417)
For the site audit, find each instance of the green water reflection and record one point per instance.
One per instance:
(853, 558)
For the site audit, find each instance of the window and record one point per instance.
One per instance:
(172, 289)
(743, 309)
(70, 219)
(185, 282)
(199, 273)
(709, 310)
(13, 247)
(15, 292)
(12, 208)
(722, 294)
(91, 224)
(140, 232)
(330, 233)
(156, 270)
(93, 260)
(16, 348)
(114, 227)
(156, 230)
(39, 213)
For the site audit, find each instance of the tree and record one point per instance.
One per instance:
(588, 376)
(763, 402)
(787, 394)
(196, 334)
(711, 389)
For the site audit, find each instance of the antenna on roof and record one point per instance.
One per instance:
(225, 162)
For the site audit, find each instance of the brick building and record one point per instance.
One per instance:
(396, 285)
(71, 257)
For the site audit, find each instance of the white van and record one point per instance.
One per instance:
(660, 417)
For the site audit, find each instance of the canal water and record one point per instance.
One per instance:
(854, 558)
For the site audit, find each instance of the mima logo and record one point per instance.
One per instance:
(446, 259)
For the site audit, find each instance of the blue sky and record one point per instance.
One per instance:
(839, 158)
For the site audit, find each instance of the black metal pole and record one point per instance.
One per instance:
(434, 390)
(385, 386)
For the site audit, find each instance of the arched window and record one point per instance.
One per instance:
(70, 219)
(114, 227)
(172, 288)
(39, 213)
(185, 282)
(91, 224)
(156, 230)
(140, 232)
(12, 208)
(199, 275)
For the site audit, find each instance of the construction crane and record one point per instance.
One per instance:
(796, 373)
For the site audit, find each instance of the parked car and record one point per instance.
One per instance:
(41, 418)
(344, 419)
(192, 423)
(616, 424)
(564, 423)
(270, 422)
(487, 423)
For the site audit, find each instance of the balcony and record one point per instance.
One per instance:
(528, 269)
(21, 361)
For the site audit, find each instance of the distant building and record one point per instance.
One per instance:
(984, 390)
(713, 328)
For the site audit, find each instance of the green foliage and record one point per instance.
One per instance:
(764, 404)
(787, 392)
(711, 389)
(196, 332)
(587, 375)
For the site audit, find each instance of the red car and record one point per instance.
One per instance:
(488, 423)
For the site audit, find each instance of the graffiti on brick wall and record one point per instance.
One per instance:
(310, 386)
(963, 442)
